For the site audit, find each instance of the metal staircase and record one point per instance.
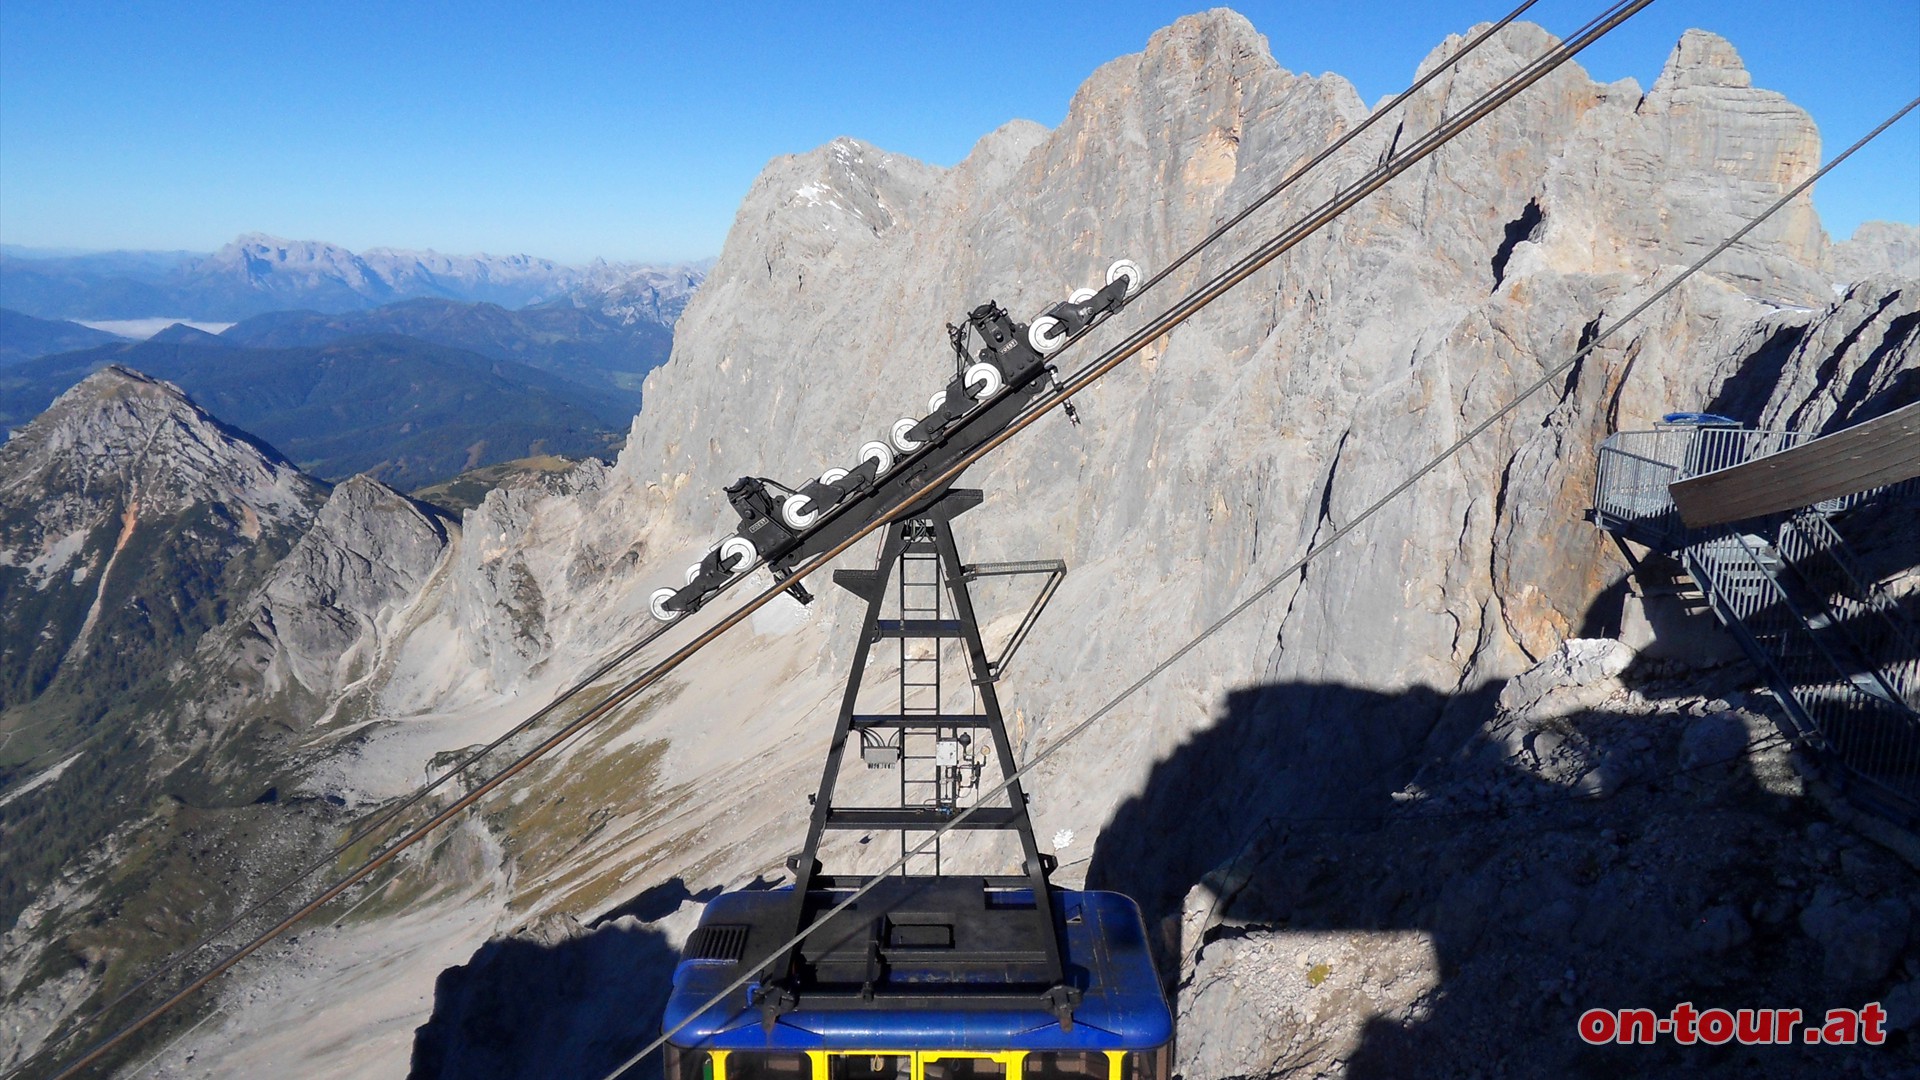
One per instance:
(1837, 652)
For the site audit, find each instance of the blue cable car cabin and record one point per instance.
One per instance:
(920, 980)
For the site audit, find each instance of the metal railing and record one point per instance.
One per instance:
(1839, 654)
(1873, 626)
(1637, 466)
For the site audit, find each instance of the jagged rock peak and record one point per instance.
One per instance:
(114, 379)
(127, 463)
(1878, 247)
(358, 498)
(319, 619)
(121, 428)
(1197, 54)
(113, 392)
(858, 180)
(1701, 58)
(1209, 37)
(121, 408)
(258, 253)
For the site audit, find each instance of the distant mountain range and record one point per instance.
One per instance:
(407, 411)
(257, 273)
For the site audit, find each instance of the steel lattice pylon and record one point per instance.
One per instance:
(987, 941)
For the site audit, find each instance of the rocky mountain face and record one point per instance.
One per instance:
(184, 607)
(125, 510)
(1878, 247)
(258, 273)
(321, 621)
(130, 524)
(1366, 818)
(635, 293)
(1617, 830)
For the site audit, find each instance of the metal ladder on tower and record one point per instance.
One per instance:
(921, 585)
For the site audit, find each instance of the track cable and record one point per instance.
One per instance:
(389, 815)
(1389, 169)
(1116, 355)
(1546, 378)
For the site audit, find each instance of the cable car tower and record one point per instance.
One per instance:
(963, 962)
(974, 941)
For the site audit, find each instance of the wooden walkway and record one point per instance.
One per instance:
(1882, 451)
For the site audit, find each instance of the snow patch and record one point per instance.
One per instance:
(782, 615)
(53, 560)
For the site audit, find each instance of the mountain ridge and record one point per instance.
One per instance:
(578, 342)
(23, 337)
(256, 273)
(113, 563)
(412, 411)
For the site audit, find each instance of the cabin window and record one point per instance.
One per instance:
(1047, 1065)
(870, 1067)
(963, 1068)
(751, 1065)
(1147, 1064)
(688, 1064)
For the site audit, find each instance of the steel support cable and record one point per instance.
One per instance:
(1436, 138)
(1198, 300)
(1547, 378)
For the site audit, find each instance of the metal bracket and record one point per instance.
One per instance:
(773, 1000)
(1056, 572)
(1061, 1001)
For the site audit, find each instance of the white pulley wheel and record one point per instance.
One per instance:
(987, 378)
(1128, 269)
(797, 511)
(902, 439)
(693, 572)
(1081, 296)
(880, 453)
(657, 605)
(936, 402)
(741, 547)
(1046, 334)
(833, 476)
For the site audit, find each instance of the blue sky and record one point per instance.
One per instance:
(633, 130)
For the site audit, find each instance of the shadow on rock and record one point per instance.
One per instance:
(1423, 884)
(658, 902)
(524, 1008)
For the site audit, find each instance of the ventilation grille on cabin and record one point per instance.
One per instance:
(721, 941)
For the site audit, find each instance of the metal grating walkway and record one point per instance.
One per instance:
(1836, 651)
